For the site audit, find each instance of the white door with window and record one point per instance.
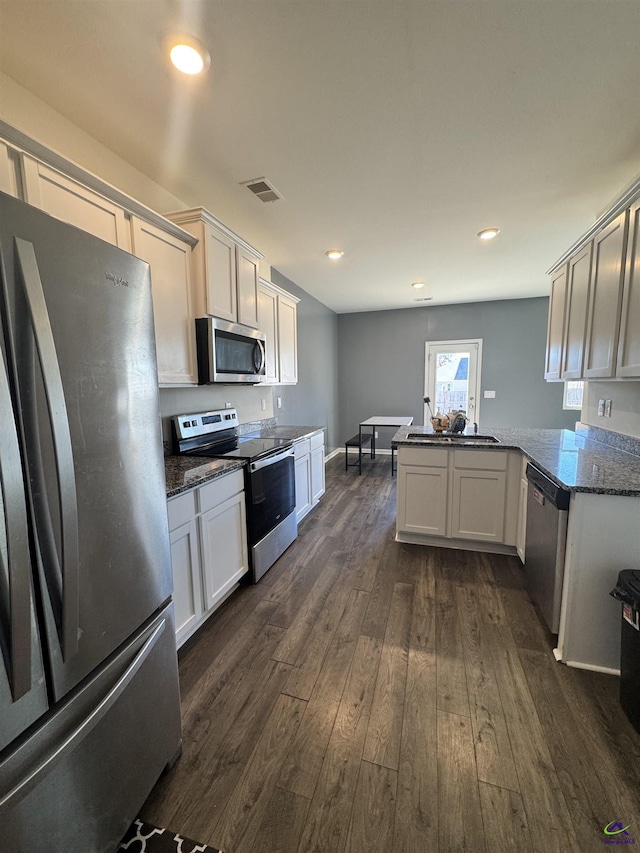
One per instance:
(452, 377)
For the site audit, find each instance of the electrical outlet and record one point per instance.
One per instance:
(263, 405)
(607, 408)
(600, 408)
(228, 405)
(376, 435)
(279, 402)
(489, 395)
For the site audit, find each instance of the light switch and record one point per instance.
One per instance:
(600, 408)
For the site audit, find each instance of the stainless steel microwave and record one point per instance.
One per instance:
(229, 352)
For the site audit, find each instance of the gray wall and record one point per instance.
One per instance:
(314, 400)
(381, 358)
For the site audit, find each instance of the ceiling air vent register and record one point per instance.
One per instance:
(263, 189)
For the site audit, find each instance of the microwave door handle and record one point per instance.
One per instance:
(259, 347)
(69, 570)
(15, 584)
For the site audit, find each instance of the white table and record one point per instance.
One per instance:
(395, 421)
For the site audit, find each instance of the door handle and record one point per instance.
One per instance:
(16, 575)
(67, 563)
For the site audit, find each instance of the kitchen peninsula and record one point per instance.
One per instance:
(602, 472)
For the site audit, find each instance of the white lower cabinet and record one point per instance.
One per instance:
(317, 468)
(521, 535)
(207, 532)
(224, 548)
(309, 472)
(468, 498)
(422, 491)
(187, 579)
(302, 453)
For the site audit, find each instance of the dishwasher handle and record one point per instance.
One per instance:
(555, 494)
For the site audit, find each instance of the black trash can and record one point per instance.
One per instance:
(628, 592)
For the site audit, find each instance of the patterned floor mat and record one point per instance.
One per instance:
(146, 838)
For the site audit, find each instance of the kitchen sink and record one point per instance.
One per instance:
(439, 438)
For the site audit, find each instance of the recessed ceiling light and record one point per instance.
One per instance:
(188, 54)
(488, 233)
(334, 254)
(417, 284)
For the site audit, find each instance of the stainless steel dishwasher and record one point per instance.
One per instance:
(547, 517)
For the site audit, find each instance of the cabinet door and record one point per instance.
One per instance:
(74, 203)
(477, 506)
(288, 340)
(268, 323)
(247, 273)
(224, 548)
(170, 262)
(422, 500)
(187, 580)
(555, 326)
(220, 274)
(317, 474)
(303, 485)
(9, 171)
(605, 300)
(576, 314)
(629, 346)
(522, 519)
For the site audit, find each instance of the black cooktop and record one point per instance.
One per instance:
(254, 448)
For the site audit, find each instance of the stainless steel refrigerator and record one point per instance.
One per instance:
(89, 703)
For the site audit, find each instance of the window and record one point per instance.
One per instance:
(573, 395)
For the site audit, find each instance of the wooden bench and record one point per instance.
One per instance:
(358, 441)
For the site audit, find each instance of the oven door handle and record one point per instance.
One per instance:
(271, 460)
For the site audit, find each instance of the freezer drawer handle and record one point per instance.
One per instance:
(70, 570)
(75, 738)
(15, 586)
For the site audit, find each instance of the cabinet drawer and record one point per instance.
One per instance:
(485, 460)
(219, 490)
(302, 448)
(316, 440)
(181, 510)
(433, 457)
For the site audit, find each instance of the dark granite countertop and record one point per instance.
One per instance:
(574, 461)
(186, 472)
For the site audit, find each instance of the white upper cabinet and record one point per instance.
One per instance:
(170, 262)
(629, 343)
(65, 190)
(605, 300)
(268, 320)
(288, 339)
(576, 314)
(225, 269)
(555, 327)
(9, 171)
(247, 277)
(215, 264)
(596, 287)
(278, 319)
(73, 202)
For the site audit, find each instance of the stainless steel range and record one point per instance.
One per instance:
(269, 479)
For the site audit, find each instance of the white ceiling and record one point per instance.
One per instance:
(395, 130)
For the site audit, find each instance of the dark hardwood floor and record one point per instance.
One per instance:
(370, 696)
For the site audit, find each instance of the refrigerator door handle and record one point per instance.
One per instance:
(70, 568)
(15, 578)
(34, 775)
